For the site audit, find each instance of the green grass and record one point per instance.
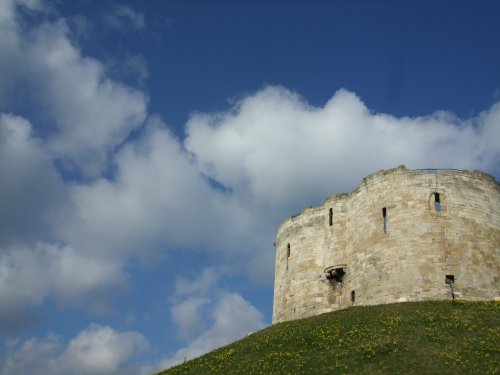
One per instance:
(447, 337)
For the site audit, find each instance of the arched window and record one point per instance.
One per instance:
(437, 202)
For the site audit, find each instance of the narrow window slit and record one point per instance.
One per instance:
(330, 216)
(287, 254)
(353, 296)
(384, 215)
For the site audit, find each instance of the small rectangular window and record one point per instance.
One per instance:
(437, 202)
(288, 251)
(384, 215)
(353, 296)
(330, 217)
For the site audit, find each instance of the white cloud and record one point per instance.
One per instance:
(200, 301)
(32, 194)
(158, 199)
(187, 316)
(32, 356)
(29, 274)
(273, 149)
(95, 350)
(33, 262)
(232, 318)
(92, 113)
(8, 10)
(80, 116)
(192, 299)
(88, 113)
(123, 17)
(201, 286)
(101, 350)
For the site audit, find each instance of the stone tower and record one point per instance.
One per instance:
(402, 235)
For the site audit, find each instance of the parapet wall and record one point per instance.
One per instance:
(405, 256)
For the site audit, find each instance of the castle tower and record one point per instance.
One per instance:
(402, 235)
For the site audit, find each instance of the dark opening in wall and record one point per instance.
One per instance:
(335, 274)
(330, 217)
(353, 296)
(437, 202)
(288, 251)
(384, 215)
(450, 280)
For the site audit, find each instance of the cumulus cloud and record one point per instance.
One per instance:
(233, 318)
(230, 316)
(8, 9)
(29, 274)
(193, 298)
(32, 194)
(90, 230)
(102, 350)
(186, 316)
(157, 198)
(95, 350)
(92, 113)
(272, 148)
(87, 114)
(34, 263)
(80, 116)
(202, 285)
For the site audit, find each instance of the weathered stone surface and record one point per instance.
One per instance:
(408, 262)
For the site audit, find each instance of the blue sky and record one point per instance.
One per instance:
(149, 151)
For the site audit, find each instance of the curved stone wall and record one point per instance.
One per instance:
(402, 235)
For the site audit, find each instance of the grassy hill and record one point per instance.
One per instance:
(446, 337)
